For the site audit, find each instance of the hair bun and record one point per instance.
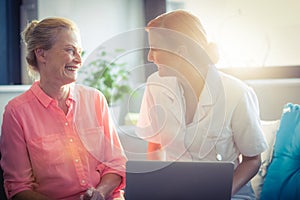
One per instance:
(26, 34)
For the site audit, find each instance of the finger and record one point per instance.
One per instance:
(90, 192)
(87, 195)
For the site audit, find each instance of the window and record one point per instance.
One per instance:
(256, 39)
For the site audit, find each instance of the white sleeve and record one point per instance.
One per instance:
(246, 125)
(147, 125)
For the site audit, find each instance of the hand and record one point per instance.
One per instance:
(92, 194)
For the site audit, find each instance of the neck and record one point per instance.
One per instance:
(192, 81)
(60, 93)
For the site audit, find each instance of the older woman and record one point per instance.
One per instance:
(58, 141)
(190, 110)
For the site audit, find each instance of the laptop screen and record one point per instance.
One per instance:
(157, 180)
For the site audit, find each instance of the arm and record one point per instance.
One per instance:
(105, 189)
(248, 137)
(114, 158)
(154, 151)
(29, 195)
(17, 170)
(245, 171)
(108, 184)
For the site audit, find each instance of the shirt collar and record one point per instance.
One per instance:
(44, 98)
(212, 88)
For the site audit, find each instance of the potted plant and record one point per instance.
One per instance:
(107, 74)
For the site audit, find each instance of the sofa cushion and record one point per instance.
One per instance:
(282, 180)
(269, 129)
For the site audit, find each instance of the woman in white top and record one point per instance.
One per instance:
(190, 110)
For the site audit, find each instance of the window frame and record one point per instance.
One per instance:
(255, 73)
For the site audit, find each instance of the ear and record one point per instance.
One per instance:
(40, 55)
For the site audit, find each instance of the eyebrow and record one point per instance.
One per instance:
(74, 47)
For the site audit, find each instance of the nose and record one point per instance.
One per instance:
(150, 56)
(77, 57)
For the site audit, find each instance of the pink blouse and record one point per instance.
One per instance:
(56, 154)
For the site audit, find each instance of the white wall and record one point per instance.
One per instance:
(273, 94)
(98, 20)
(251, 32)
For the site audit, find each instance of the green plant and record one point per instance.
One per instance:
(108, 75)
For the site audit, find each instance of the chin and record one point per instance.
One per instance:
(70, 80)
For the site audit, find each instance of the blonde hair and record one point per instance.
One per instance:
(42, 34)
(188, 24)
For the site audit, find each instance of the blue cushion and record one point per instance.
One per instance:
(282, 180)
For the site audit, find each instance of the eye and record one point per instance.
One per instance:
(70, 51)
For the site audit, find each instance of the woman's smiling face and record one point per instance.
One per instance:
(63, 60)
(164, 56)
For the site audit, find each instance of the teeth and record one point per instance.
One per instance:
(71, 68)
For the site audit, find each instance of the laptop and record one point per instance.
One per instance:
(155, 180)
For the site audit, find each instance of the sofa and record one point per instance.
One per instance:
(270, 129)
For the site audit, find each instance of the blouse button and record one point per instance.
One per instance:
(66, 124)
(82, 182)
(71, 140)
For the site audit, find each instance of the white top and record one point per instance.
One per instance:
(225, 125)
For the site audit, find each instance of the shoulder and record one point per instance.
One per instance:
(153, 77)
(20, 100)
(83, 88)
(233, 82)
(238, 93)
(86, 90)
(235, 86)
(164, 83)
(156, 79)
(87, 93)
